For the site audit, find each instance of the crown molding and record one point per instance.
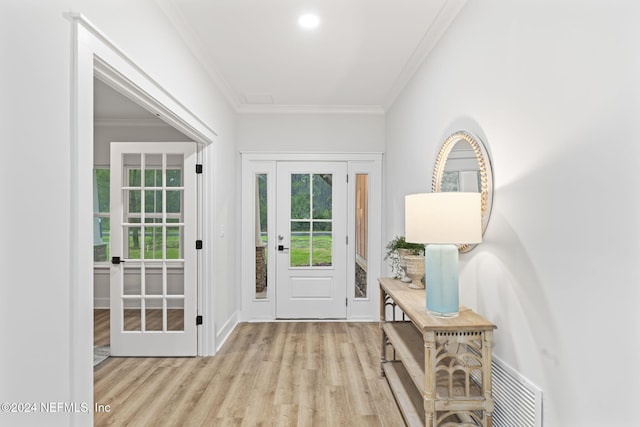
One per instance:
(196, 46)
(446, 16)
(309, 109)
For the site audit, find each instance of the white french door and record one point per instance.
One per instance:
(153, 235)
(311, 229)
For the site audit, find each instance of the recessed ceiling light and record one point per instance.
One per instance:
(309, 21)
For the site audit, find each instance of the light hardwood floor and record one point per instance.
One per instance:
(266, 374)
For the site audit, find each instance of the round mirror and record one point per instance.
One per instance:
(463, 164)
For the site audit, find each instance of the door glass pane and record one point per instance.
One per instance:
(134, 178)
(175, 281)
(174, 178)
(361, 221)
(134, 198)
(153, 243)
(153, 280)
(175, 315)
(321, 244)
(132, 242)
(174, 201)
(261, 237)
(132, 281)
(152, 161)
(299, 254)
(153, 178)
(300, 196)
(153, 314)
(131, 315)
(322, 196)
(174, 243)
(153, 201)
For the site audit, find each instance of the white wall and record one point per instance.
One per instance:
(330, 133)
(35, 165)
(106, 132)
(553, 89)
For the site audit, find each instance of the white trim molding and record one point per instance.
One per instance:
(131, 123)
(116, 69)
(309, 109)
(94, 55)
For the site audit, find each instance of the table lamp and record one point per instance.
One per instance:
(441, 221)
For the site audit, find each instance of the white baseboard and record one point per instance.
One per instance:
(225, 331)
(362, 318)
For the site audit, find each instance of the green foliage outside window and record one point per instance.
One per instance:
(153, 205)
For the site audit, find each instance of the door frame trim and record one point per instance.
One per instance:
(253, 162)
(90, 47)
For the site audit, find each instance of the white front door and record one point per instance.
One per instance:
(311, 229)
(153, 235)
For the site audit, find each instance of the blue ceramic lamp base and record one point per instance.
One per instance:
(441, 269)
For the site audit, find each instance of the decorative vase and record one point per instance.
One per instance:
(415, 270)
(402, 254)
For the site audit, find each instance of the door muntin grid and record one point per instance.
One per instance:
(153, 243)
(311, 221)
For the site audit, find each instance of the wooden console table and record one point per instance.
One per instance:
(438, 369)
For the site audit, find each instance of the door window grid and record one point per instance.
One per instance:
(311, 221)
(153, 211)
(147, 215)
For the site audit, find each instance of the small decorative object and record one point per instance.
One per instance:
(403, 253)
(397, 250)
(415, 270)
(442, 220)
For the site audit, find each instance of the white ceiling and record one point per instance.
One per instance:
(358, 59)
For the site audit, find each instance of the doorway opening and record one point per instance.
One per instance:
(311, 236)
(94, 55)
(116, 118)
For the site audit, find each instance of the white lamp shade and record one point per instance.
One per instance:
(446, 217)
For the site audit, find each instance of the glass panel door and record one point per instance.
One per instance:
(311, 258)
(152, 215)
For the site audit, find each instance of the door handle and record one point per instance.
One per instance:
(281, 248)
(117, 260)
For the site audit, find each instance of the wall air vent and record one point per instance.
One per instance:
(518, 402)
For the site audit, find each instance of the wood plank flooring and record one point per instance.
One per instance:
(266, 374)
(101, 332)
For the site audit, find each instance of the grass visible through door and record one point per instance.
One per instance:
(319, 247)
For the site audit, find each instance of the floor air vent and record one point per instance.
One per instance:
(518, 402)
